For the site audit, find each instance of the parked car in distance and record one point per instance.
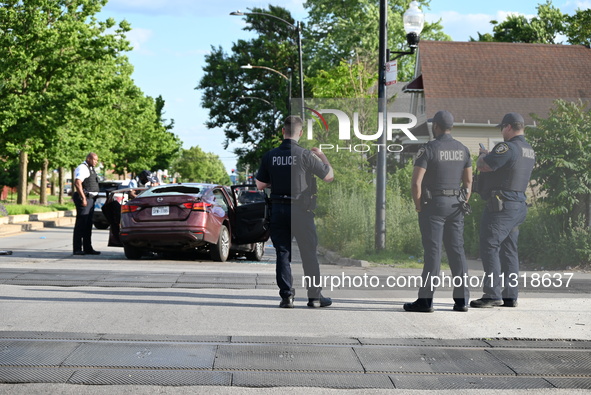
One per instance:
(98, 219)
(193, 217)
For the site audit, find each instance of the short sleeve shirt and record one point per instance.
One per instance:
(82, 172)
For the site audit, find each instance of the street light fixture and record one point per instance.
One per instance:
(250, 67)
(257, 98)
(298, 29)
(413, 20)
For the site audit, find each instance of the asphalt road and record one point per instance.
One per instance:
(159, 323)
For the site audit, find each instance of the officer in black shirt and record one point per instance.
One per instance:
(290, 171)
(441, 165)
(505, 174)
(86, 186)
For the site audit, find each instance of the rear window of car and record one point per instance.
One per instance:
(173, 190)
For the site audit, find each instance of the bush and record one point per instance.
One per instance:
(347, 222)
(547, 241)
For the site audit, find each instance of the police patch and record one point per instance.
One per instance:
(420, 152)
(501, 148)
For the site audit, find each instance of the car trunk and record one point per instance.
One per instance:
(166, 209)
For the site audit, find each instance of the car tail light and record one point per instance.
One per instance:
(128, 208)
(200, 206)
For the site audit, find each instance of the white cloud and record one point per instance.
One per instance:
(571, 6)
(138, 37)
(463, 26)
(199, 8)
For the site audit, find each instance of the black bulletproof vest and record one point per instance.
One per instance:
(91, 183)
(446, 167)
(287, 170)
(516, 176)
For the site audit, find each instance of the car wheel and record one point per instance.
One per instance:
(132, 252)
(257, 253)
(221, 250)
(100, 225)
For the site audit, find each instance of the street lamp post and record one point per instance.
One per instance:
(298, 29)
(413, 20)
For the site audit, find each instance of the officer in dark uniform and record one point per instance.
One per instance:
(441, 165)
(290, 171)
(505, 174)
(86, 186)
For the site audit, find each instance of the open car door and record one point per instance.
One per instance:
(251, 220)
(112, 211)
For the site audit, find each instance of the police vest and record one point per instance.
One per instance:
(446, 165)
(289, 178)
(514, 177)
(91, 183)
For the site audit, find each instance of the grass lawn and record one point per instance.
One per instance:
(34, 207)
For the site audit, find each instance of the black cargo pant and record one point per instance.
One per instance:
(289, 221)
(83, 227)
(442, 222)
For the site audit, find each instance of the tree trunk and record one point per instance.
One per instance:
(61, 185)
(43, 183)
(23, 191)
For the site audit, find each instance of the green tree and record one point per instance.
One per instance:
(194, 165)
(45, 44)
(247, 104)
(562, 142)
(545, 28)
(578, 28)
(348, 29)
(66, 89)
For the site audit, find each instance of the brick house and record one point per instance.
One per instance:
(478, 82)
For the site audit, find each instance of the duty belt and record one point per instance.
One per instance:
(282, 201)
(446, 192)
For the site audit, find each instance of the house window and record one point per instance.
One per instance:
(421, 106)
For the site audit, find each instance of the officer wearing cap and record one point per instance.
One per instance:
(505, 174)
(441, 168)
(143, 179)
(290, 171)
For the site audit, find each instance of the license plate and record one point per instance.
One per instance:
(162, 210)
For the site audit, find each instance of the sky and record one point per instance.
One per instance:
(172, 37)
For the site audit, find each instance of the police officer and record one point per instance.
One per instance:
(441, 165)
(86, 186)
(289, 170)
(505, 174)
(143, 179)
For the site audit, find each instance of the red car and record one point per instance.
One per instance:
(194, 216)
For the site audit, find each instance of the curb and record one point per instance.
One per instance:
(332, 258)
(14, 224)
